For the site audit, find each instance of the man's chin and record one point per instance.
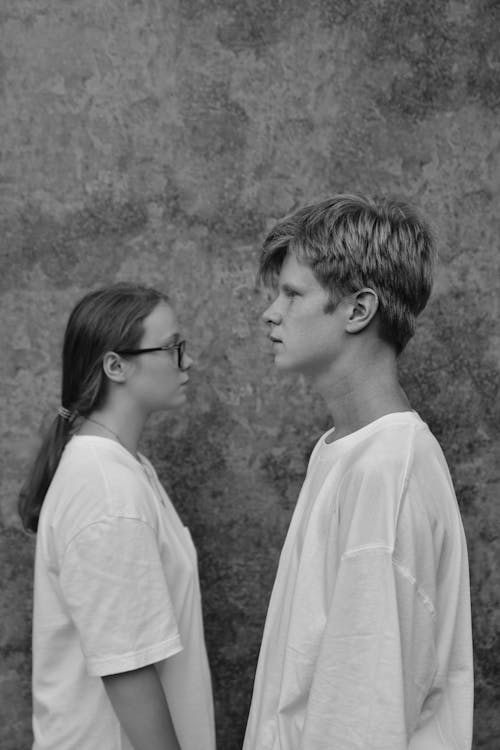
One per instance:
(283, 365)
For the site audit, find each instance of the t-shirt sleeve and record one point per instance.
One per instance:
(371, 676)
(117, 595)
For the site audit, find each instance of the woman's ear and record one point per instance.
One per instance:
(115, 368)
(363, 308)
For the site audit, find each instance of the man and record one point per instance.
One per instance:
(367, 642)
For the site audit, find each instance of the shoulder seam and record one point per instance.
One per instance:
(101, 520)
(409, 463)
(426, 600)
(399, 568)
(355, 551)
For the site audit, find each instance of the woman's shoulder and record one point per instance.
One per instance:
(96, 481)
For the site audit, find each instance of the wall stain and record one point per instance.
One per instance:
(61, 246)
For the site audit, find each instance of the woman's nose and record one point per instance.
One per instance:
(187, 361)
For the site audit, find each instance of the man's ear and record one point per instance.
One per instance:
(363, 308)
(115, 368)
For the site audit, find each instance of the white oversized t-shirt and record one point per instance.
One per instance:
(367, 642)
(116, 588)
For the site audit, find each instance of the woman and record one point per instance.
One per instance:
(119, 658)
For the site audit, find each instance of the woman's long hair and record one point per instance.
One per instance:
(106, 320)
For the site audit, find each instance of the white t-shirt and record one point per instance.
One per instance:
(367, 643)
(116, 588)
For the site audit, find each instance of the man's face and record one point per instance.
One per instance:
(305, 338)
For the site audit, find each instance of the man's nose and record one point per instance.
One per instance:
(272, 315)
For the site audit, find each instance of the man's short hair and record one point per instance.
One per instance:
(351, 242)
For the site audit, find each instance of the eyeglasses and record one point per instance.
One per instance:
(180, 346)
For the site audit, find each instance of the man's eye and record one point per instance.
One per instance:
(291, 293)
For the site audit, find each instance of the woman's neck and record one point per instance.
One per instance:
(124, 427)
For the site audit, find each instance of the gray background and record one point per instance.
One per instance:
(157, 141)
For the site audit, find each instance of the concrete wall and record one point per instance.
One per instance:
(156, 140)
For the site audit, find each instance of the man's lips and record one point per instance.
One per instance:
(275, 340)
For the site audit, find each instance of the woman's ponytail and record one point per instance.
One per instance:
(35, 487)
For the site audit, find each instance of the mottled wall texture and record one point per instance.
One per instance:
(157, 140)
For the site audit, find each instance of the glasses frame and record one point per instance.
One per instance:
(180, 346)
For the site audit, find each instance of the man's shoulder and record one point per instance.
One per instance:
(385, 453)
(390, 441)
(397, 457)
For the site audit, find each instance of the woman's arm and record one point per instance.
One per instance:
(139, 702)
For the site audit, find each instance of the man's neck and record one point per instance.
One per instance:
(363, 394)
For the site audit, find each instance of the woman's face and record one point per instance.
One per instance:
(155, 378)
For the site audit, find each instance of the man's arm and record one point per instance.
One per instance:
(368, 687)
(140, 704)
